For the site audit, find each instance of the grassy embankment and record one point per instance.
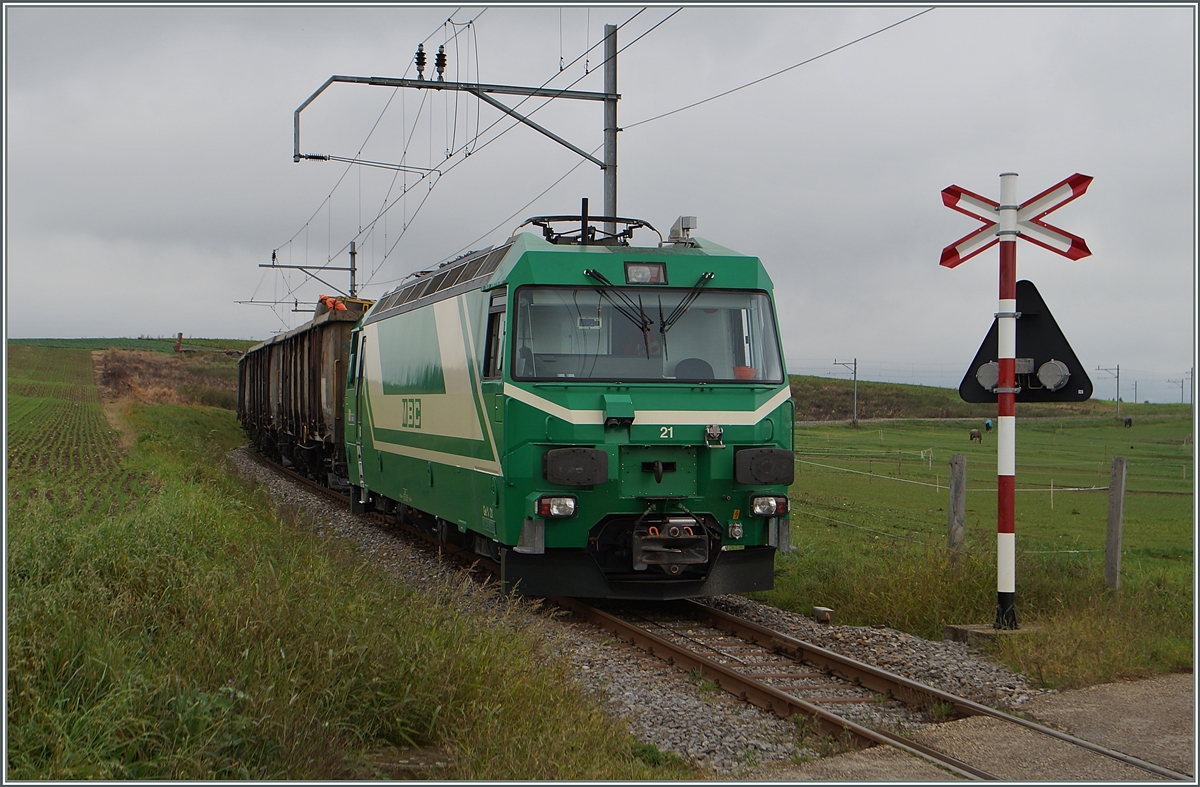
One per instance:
(870, 523)
(830, 399)
(165, 621)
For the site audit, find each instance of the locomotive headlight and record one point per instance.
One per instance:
(645, 273)
(556, 507)
(769, 505)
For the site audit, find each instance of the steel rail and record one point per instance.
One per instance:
(760, 694)
(898, 686)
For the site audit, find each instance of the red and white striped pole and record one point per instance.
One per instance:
(1003, 223)
(1006, 404)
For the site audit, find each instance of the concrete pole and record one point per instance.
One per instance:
(610, 127)
(856, 392)
(1006, 408)
(1116, 518)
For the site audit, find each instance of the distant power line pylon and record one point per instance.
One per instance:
(853, 366)
(1117, 372)
(1187, 379)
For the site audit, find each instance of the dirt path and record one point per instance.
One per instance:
(1153, 720)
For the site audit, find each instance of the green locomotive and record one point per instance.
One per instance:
(604, 420)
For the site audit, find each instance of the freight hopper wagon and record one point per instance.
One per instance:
(604, 420)
(290, 391)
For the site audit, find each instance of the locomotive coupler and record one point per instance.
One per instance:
(669, 542)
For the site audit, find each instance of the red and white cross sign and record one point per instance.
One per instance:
(1029, 221)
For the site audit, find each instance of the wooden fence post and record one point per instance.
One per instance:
(1116, 518)
(958, 505)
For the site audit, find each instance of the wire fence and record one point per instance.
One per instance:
(911, 538)
(937, 484)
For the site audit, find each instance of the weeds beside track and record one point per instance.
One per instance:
(196, 632)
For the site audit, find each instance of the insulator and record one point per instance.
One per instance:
(439, 60)
(420, 61)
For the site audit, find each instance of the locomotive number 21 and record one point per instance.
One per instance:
(666, 432)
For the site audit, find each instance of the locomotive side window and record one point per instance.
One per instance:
(350, 371)
(723, 336)
(493, 362)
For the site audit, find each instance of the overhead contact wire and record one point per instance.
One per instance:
(478, 147)
(777, 73)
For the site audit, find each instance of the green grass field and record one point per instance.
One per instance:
(166, 621)
(870, 516)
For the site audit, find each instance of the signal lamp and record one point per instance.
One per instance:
(769, 505)
(556, 507)
(1053, 374)
(988, 376)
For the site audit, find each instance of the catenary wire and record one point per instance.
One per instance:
(351, 163)
(777, 73)
(469, 26)
(478, 146)
(513, 125)
(388, 251)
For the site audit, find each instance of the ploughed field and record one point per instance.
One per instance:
(62, 453)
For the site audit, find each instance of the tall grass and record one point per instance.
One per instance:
(201, 633)
(1079, 633)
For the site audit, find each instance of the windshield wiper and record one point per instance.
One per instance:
(681, 309)
(626, 308)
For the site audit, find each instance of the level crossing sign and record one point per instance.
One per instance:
(1029, 222)
(1003, 223)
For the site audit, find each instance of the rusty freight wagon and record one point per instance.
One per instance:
(291, 392)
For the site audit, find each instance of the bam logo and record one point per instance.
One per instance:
(412, 413)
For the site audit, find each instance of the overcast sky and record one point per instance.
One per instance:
(149, 172)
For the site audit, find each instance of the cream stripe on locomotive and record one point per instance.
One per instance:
(446, 408)
(653, 417)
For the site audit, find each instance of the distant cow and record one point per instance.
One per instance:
(1128, 422)
(977, 435)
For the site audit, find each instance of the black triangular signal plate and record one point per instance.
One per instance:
(1038, 338)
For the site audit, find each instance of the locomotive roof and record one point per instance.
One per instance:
(533, 259)
(527, 258)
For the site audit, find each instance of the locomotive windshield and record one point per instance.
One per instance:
(583, 332)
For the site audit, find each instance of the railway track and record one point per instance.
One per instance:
(775, 671)
(787, 676)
